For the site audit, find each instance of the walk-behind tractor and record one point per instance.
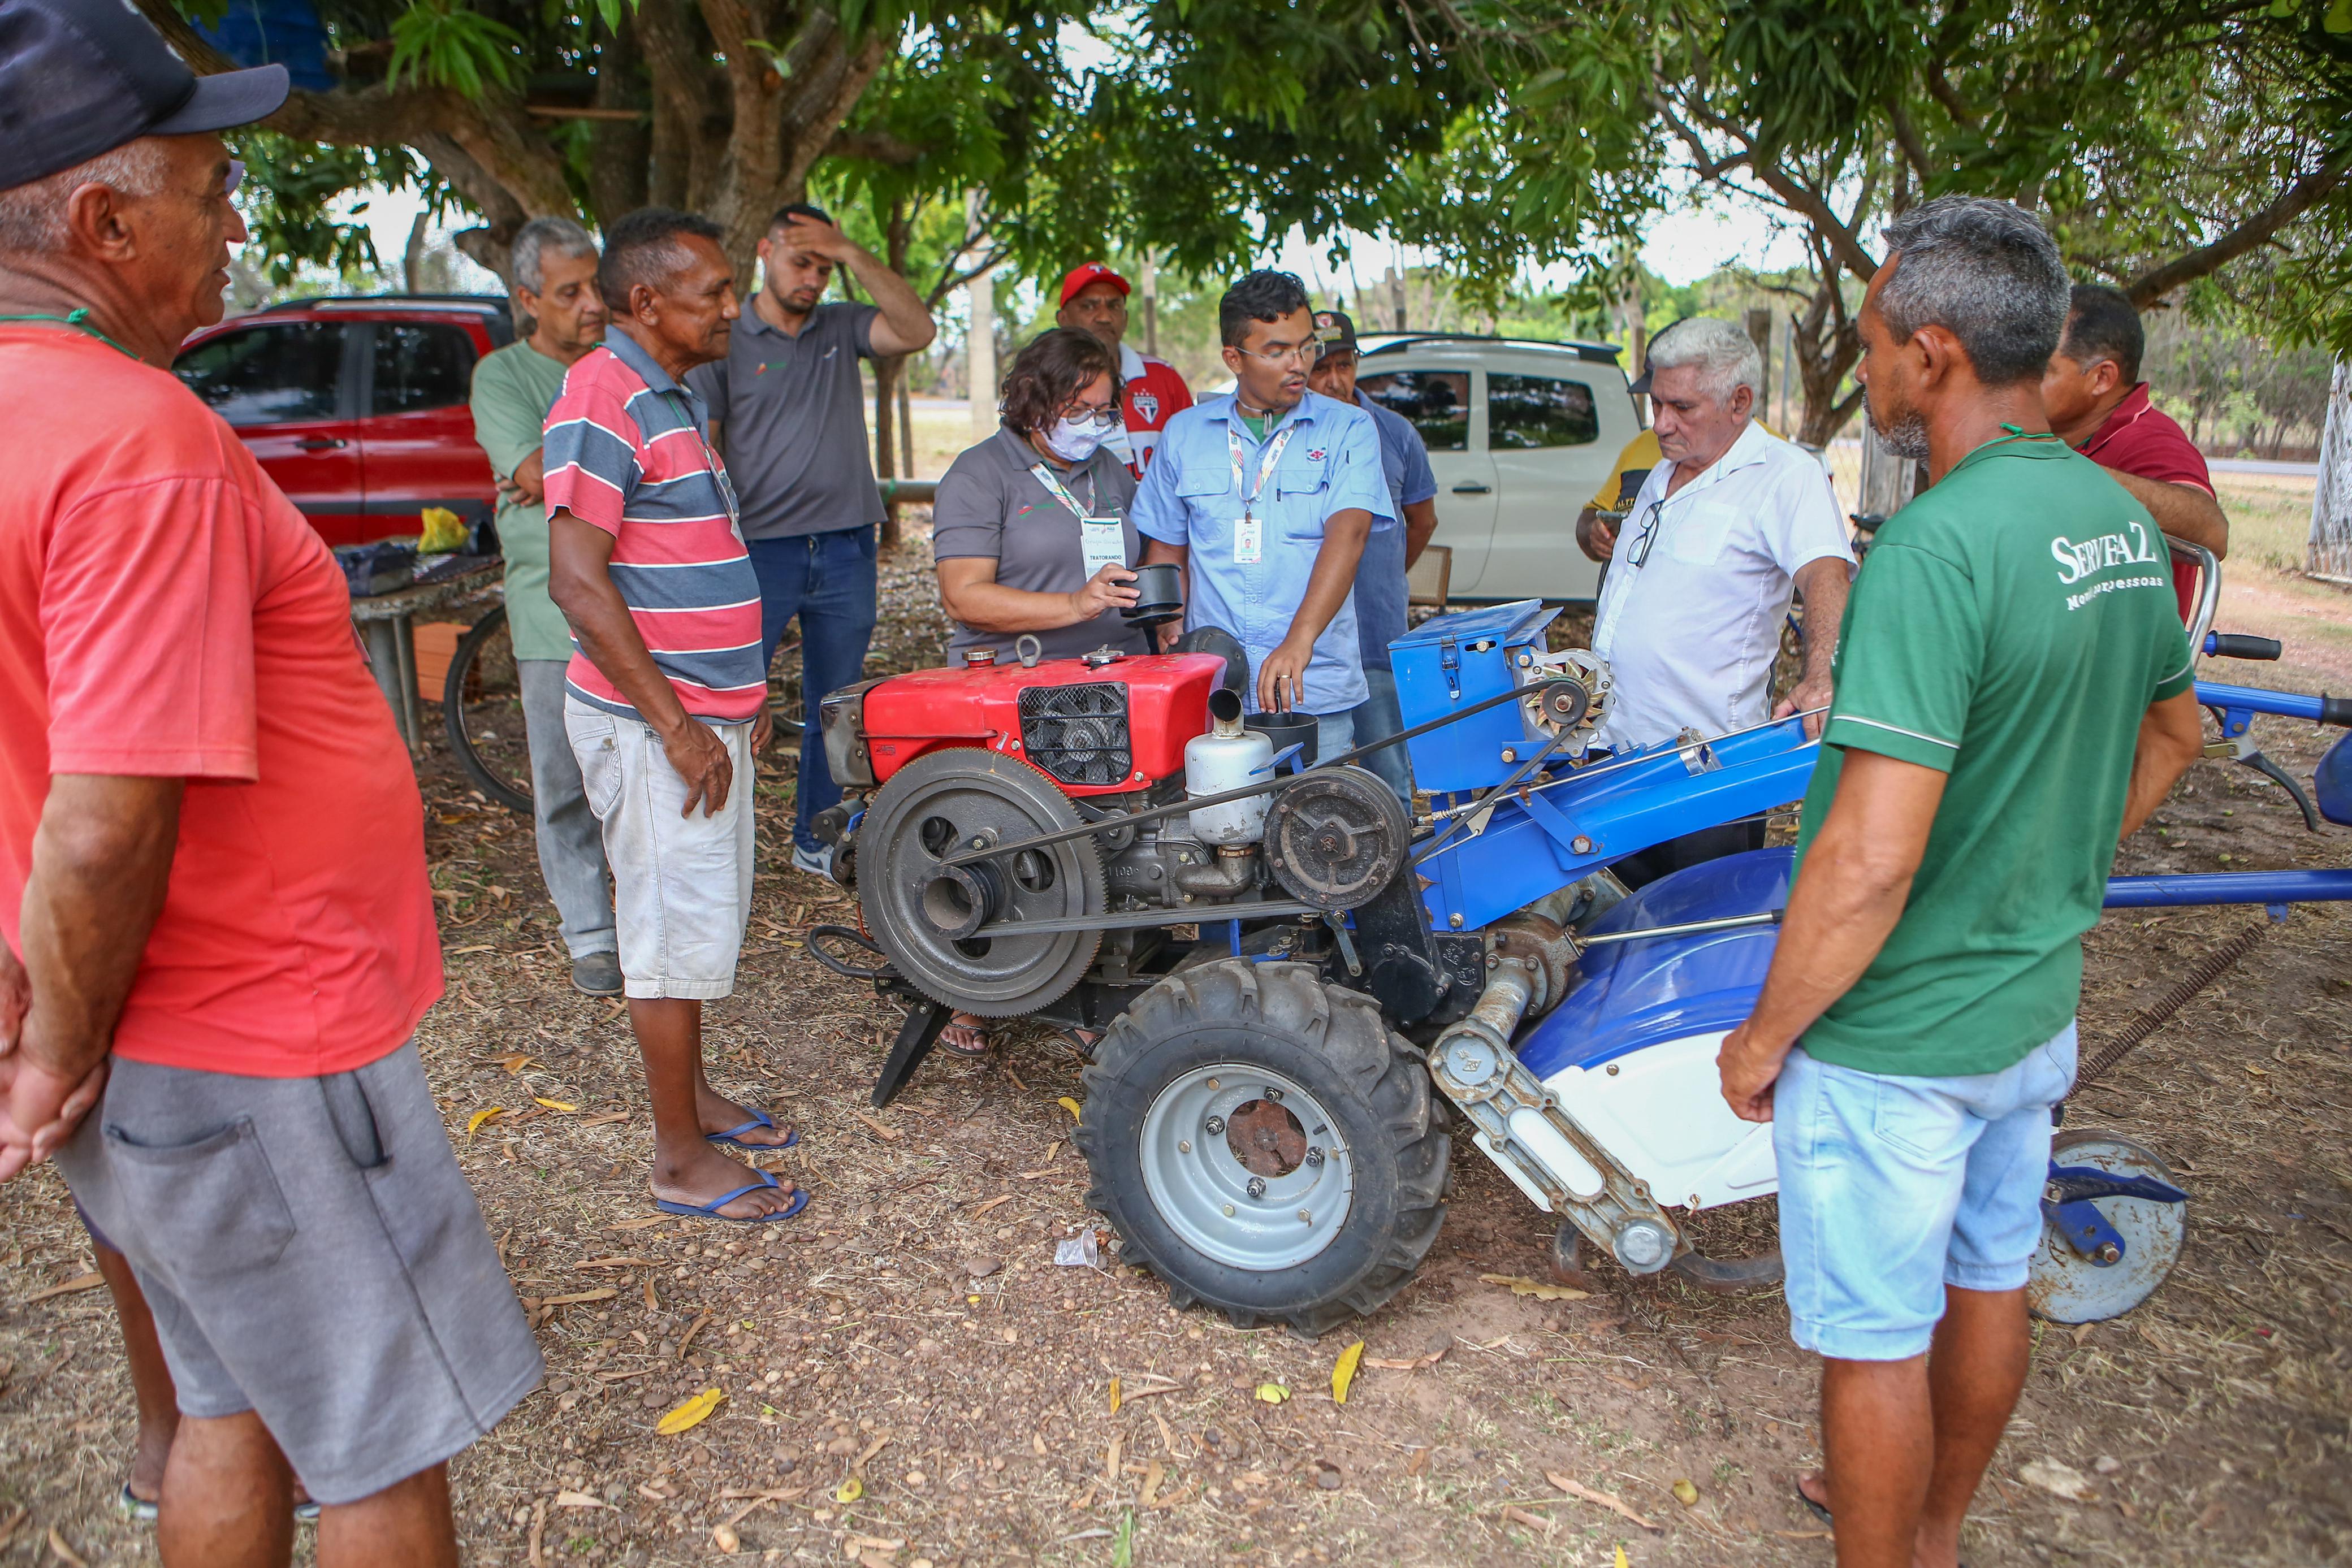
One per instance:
(1302, 989)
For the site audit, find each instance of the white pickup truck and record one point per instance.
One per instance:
(1520, 435)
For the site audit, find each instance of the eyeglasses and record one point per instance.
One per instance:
(1651, 516)
(235, 177)
(1303, 354)
(1087, 414)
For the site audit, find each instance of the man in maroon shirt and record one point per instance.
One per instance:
(2096, 401)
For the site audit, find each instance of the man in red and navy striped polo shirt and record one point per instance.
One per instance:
(648, 563)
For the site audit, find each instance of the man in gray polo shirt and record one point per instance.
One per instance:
(788, 409)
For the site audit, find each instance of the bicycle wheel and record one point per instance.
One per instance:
(787, 705)
(481, 708)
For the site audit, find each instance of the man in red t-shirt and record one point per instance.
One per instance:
(2098, 403)
(212, 857)
(1094, 300)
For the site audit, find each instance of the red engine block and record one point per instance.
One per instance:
(1093, 731)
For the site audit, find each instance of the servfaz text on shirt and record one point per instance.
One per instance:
(2077, 561)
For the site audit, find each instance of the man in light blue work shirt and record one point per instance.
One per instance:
(1381, 594)
(1266, 496)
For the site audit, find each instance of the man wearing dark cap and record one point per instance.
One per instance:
(1389, 553)
(1151, 392)
(226, 973)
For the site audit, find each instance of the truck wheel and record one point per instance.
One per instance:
(1266, 1145)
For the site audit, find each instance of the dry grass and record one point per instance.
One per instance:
(915, 1305)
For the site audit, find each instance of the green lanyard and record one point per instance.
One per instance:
(79, 320)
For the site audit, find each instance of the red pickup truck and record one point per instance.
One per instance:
(357, 406)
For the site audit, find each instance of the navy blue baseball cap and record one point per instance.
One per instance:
(78, 77)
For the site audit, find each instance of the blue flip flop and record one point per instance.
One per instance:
(733, 1138)
(711, 1210)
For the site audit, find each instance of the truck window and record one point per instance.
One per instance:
(418, 368)
(1436, 402)
(270, 374)
(1538, 410)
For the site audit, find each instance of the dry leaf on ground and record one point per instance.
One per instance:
(1273, 1393)
(1522, 1286)
(691, 1414)
(2058, 1480)
(1343, 1372)
(90, 1282)
(1616, 1505)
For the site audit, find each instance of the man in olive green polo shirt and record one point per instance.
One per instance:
(554, 267)
(2013, 692)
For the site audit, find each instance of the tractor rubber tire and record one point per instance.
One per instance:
(1338, 1051)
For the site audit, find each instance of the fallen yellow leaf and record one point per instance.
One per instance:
(1522, 1286)
(691, 1414)
(1070, 1105)
(849, 1490)
(474, 1123)
(1621, 1558)
(1343, 1372)
(515, 1062)
(1273, 1393)
(1686, 1491)
(1114, 1396)
(578, 1500)
(557, 1104)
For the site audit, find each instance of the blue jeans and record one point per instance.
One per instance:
(1894, 1187)
(829, 582)
(1377, 718)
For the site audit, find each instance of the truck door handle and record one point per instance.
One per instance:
(321, 443)
(1472, 490)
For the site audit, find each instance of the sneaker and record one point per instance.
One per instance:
(816, 863)
(598, 973)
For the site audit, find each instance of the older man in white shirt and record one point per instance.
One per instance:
(1724, 528)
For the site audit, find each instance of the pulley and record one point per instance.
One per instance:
(1334, 837)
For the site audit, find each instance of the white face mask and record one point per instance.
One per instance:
(1073, 441)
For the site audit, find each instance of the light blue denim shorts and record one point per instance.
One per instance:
(1894, 1187)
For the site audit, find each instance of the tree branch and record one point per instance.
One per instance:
(1940, 89)
(2154, 284)
(1906, 136)
(873, 147)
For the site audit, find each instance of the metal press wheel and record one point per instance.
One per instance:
(481, 709)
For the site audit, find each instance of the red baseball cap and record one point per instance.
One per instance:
(1077, 278)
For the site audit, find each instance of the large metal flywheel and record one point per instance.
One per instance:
(941, 925)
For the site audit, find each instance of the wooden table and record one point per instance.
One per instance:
(386, 623)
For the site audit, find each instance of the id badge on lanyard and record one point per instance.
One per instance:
(1249, 533)
(1104, 540)
(1101, 540)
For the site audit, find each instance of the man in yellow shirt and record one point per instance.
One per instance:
(1596, 525)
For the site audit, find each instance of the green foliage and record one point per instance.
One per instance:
(438, 44)
(290, 185)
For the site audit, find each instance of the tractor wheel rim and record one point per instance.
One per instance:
(1269, 1132)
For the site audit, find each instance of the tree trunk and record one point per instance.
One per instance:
(2330, 554)
(621, 149)
(1828, 347)
(907, 426)
(412, 262)
(887, 372)
(979, 355)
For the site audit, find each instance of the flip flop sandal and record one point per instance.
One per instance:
(711, 1210)
(306, 1511)
(133, 1507)
(733, 1138)
(979, 1030)
(1821, 1511)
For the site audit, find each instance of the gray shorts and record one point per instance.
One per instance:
(681, 885)
(313, 1254)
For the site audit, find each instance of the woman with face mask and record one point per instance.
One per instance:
(1030, 527)
(1031, 534)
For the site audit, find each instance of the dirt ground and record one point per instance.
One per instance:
(911, 1333)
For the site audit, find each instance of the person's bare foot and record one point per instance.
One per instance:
(718, 1113)
(966, 1035)
(1813, 1485)
(699, 1175)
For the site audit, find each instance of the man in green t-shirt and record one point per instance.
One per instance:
(554, 268)
(2013, 692)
